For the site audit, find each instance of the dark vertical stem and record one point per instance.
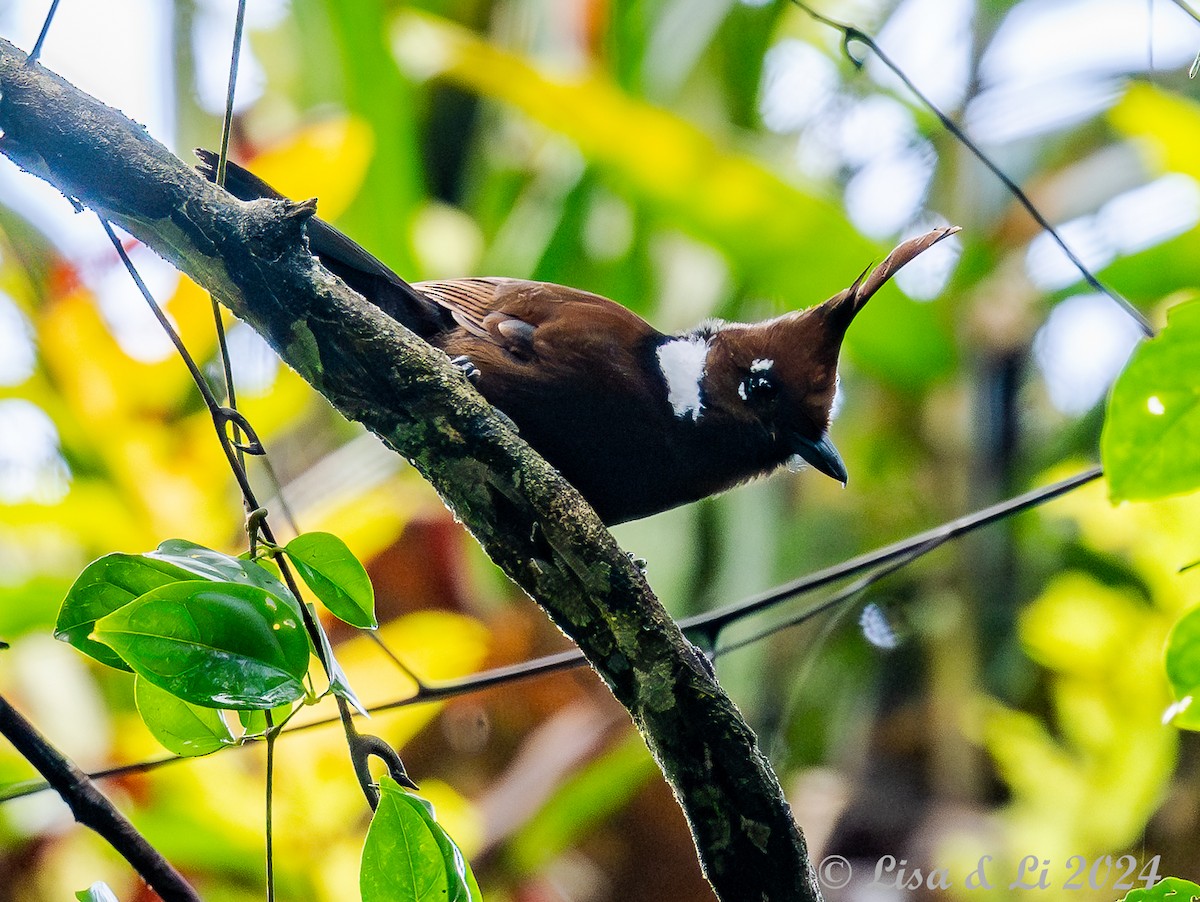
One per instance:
(272, 735)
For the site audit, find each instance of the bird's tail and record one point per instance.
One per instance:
(346, 259)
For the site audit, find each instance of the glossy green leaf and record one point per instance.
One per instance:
(219, 567)
(1152, 429)
(408, 857)
(1174, 889)
(104, 586)
(463, 887)
(336, 577)
(114, 580)
(181, 727)
(219, 645)
(97, 892)
(401, 859)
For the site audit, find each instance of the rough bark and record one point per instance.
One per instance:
(534, 525)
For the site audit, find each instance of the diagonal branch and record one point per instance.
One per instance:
(530, 521)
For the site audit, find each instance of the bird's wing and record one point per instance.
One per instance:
(533, 320)
(470, 301)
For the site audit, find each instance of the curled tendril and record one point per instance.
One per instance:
(364, 747)
(252, 445)
(849, 36)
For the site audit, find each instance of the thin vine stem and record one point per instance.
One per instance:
(235, 56)
(889, 558)
(221, 416)
(222, 160)
(1187, 9)
(269, 802)
(852, 34)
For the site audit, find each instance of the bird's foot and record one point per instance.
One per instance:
(467, 366)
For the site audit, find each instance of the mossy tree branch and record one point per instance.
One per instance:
(533, 524)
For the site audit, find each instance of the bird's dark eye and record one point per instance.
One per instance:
(758, 388)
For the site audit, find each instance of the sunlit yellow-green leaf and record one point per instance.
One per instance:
(1078, 626)
(1166, 123)
(182, 728)
(1152, 429)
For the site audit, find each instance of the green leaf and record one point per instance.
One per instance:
(336, 577)
(114, 580)
(408, 857)
(339, 683)
(181, 727)
(1153, 425)
(255, 722)
(104, 586)
(1182, 660)
(219, 645)
(222, 568)
(401, 859)
(1175, 889)
(97, 892)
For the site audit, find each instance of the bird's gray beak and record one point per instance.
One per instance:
(822, 455)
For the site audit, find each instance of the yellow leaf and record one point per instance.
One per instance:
(1079, 626)
(1167, 124)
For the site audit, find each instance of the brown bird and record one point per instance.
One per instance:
(638, 421)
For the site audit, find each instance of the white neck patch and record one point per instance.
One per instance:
(682, 361)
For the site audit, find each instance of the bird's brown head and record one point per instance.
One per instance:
(784, 370)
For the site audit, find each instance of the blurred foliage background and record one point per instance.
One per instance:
(721, 158)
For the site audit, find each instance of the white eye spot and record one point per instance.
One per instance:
(682, 361)
(742, 390)
(761, 366)
(1155, 406)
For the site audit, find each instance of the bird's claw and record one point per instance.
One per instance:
(467, 366)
